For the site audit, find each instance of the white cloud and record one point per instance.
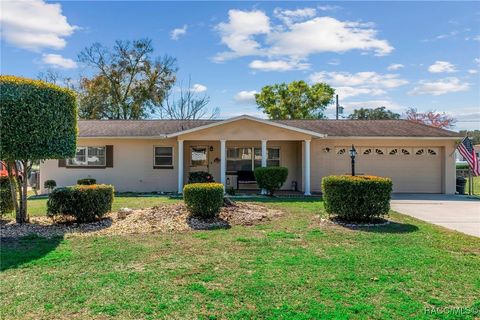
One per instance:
(334, 62)
(477, 61)
(353, 84)
(328, 8)
(439, 87)
(301, 34)
(57, 61)
(198, 88)
(441, 66)
(238, 33)
(290, 16)
(245, 97)
(472, 71)
(278, 65)
(326, 34)
(176, 33)
(395, 66)
(34, 24)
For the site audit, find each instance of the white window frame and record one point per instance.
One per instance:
(155, 165)
(253, 155)
(68, 164)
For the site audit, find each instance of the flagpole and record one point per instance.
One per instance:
(455, 149)
(470, 180)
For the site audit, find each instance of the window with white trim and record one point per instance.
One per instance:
(88, 157)
(163, 157)
(247, 159)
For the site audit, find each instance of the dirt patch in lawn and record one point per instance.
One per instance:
(167, 218)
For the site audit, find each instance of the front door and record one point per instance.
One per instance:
(199, 159)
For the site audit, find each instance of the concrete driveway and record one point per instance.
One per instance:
(461, 213)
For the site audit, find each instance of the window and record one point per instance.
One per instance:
(379, 151)
(432, 152)
(405, 151)
(88, 157)
(163, 157)
(340, 150)
(247, 159)
(393, 152)
(420, 152)
(198, 157)
(367, 151)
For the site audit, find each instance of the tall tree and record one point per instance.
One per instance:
(127, 83)
(380, 113)
(431, 118)
(54, 77)
(296, 100)
(474, 135)
(187, 104)
(39, 121)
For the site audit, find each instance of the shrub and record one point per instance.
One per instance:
(356, 198)
(271, 178)
(86, 181)
(85, 203)
(200, 177)
(49, 184)
(203, 200)
(231, 191)
(6, 201)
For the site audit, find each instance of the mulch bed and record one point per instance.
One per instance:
(167, 218)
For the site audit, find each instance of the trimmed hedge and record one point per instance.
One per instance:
(42, 120)
(87, 181)
(200, 177)
(203, 200)
(85, 203)
(271, 178)
(6, 201)
(356, 198)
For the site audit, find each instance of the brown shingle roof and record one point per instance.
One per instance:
(337, 128)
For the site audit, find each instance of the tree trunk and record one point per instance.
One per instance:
(21, 216)
(13, 184)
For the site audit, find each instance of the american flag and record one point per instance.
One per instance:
(468, 152)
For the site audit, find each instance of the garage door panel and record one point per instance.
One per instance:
(421, 173)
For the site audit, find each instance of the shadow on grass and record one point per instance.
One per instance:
(392, 227)
(15, 252)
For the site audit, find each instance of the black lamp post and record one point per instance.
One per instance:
(353, 153)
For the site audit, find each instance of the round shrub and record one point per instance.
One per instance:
(6, 200)
(87, 181)
(356, 198)
(271, 178)
(49, 184)
(200, 177)
(203, 200)
(85, 203)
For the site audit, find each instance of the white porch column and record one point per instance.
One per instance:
(264, 153)
(307, 168)
(223, 162)
(180, 166)
(264, 160)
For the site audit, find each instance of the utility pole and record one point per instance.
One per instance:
(336, 106)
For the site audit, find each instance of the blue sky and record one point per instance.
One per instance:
(412, 54)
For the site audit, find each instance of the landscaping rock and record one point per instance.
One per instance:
(167, 218)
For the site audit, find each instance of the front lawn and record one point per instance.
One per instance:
(293, 267)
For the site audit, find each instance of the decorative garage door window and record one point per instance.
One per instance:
(392, 151)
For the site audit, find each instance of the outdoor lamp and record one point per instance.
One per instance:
(353, 154)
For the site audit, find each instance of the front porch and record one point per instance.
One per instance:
(229, 160)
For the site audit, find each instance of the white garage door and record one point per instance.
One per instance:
(412, 169)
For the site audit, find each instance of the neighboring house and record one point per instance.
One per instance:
(157, 155)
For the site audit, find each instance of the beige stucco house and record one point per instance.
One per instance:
(158, 155)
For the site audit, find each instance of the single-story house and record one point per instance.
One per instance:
(158, 155)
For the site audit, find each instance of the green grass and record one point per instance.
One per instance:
(289, 268)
